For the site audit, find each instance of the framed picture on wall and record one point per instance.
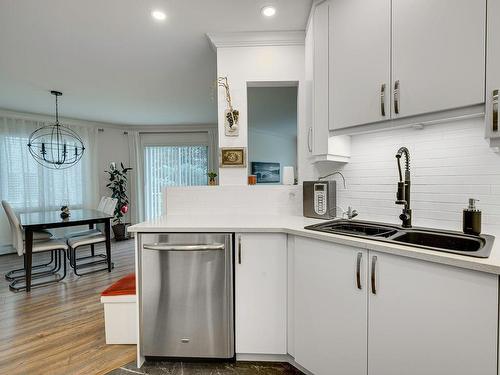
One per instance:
(267, 173)
(232, 157)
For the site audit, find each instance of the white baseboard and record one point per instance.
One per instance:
(7, 249)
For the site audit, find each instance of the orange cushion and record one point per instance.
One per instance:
(124, 286)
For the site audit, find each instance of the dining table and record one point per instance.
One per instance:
(38, 220)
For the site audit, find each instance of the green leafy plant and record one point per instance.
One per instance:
(211, 175)
(118, 185)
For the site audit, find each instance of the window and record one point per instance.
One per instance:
(26, 185)
(182, 165)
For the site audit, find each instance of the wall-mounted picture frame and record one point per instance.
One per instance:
(232, 157)
(267, 173)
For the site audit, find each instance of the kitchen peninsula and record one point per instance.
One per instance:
(332, 301)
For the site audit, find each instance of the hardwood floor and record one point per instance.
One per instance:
(59, 329)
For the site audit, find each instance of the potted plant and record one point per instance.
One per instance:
(211, 178)
(118, 185)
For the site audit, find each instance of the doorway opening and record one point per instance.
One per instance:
(272, 130)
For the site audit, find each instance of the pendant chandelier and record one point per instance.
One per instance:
(56, 146)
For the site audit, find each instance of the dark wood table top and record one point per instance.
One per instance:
(52, 219)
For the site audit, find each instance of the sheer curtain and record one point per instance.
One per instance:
(28, 186)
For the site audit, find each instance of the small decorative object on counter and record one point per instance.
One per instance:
(212, 178)
(288, 176)
(231, 115)
(472, 218)
(65, 212)
(267, 173)
(252, 179)
(118, 185)
(232, 157)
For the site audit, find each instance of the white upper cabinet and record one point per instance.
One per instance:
(424, 59)
(438, 52)
(360, 62)
(321, 145)
(330, 307)
(261, 293)
(308, 83)
(493, 71)
(427, 318)
(320, 83)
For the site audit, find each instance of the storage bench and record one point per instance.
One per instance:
(120, 304)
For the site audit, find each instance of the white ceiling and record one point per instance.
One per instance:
(114, 63)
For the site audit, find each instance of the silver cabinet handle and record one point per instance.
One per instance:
(309, 139)
(173, 247)
(396, 97)
(358, 270)
(382, 99)
(374, 286)
(495, 111)
(239, 249)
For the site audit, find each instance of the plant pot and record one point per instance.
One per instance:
(212, 182)
(119, 232)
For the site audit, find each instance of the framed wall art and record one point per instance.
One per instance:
(234, 157)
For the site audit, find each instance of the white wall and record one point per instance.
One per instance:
(267, 146)
(253, 64)
(112, 146)
(233, 200)
(450, 163)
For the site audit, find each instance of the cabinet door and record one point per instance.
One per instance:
(427, 318)
(320, 82)
(493, 69)
(360, 62)
(330, 313)
(261, 293)
(438, 54)
(308, 84)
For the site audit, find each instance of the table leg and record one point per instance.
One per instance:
(28, 249)
(92, 250)
(107, 233)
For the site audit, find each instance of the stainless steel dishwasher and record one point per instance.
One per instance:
(186, 295)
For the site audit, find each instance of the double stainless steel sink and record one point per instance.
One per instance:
(438, 240)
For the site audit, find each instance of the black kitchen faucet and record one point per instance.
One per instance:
(403, 194)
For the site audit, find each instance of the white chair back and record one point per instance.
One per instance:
(15, 227)
(107, 205)
(100, 207)
(110, 205)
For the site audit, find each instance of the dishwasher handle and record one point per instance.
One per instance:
(174, 247)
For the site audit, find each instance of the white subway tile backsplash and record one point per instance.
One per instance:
(450, 163)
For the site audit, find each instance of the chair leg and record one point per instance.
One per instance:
(60, 259)
(20, 272)
(76, 267)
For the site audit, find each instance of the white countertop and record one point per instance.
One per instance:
(295, 225)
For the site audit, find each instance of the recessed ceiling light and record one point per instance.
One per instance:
(158, 15)
(268, 11)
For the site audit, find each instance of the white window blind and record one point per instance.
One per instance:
(178, 162)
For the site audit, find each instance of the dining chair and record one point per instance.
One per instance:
(57, 248)
(37, 236)
(75, 243)
(100, 207)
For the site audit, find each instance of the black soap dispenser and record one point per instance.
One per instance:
(472, 218)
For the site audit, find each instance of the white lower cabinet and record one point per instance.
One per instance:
(406, 316)
(261, 293)
(330, 317)
(427, 318)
